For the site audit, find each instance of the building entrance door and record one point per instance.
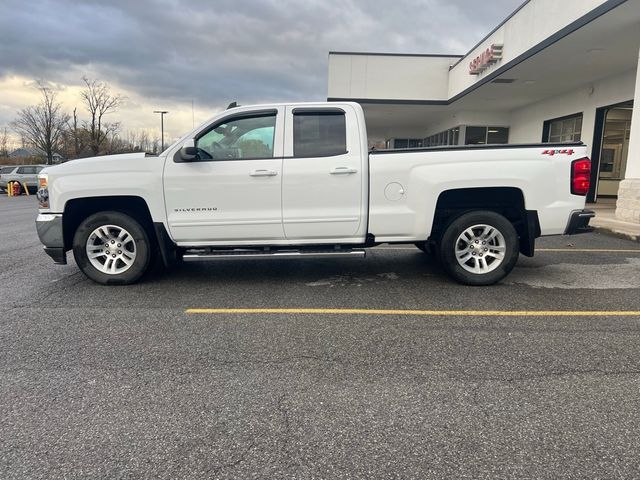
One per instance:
(614, 149)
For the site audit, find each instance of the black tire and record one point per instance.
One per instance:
(449, 241)
(140, 239)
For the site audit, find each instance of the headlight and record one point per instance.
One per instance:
(43, 190)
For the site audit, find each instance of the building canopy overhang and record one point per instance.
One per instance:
(602, 44)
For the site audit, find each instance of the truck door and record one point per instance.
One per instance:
(232, 191)
(323, 174)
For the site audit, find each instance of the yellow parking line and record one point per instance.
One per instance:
(587, 250)
(425, 313)
(553, 250)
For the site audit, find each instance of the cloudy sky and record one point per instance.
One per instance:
(164, 54)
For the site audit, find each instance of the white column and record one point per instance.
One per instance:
(628, 205)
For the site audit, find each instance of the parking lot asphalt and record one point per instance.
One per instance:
(287, 373)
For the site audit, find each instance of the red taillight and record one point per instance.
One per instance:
(580, 176)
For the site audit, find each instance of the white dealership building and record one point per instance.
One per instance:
(553, 71)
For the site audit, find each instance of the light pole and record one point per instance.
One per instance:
(162, 113)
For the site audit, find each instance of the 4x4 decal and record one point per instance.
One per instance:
(564, 151)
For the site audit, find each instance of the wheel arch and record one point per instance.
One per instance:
(78, 209)
(507, 201)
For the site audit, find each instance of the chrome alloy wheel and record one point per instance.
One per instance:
(111, 249)
(480, 249)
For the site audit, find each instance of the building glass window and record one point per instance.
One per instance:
(448, 137)
(497, 135)
(615, 143)
(566, 129)
(486, 135)
(476, 136)
(402, 143)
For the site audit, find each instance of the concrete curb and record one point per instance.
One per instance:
(616, 228)
(617, 234)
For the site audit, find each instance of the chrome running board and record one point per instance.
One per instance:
(196, 255)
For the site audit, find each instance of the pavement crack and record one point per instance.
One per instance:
(568, 373)
(287, 446)
(55, 290)
(237, 461)
(80, 278)
(271, 361)
(284, 414)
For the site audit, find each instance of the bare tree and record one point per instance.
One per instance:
(4, 142)
(132, 140)
(42, 125)
(99, 101)
(113, 143)
(75, 134)
(143, 141)
(111, 129)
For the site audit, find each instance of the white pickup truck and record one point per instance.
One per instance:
(296, 180)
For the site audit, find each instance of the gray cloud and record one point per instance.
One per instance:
(223, 50)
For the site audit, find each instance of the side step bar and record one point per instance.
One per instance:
(194, 255)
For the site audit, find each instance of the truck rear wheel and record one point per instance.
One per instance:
(479, 248)
(111, 248)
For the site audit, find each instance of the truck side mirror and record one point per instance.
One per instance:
(188, 153)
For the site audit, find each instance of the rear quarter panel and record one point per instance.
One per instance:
(543, 179)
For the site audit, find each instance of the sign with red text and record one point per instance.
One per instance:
(487, 58)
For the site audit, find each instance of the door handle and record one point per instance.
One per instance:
(263, 173)
(343, 171)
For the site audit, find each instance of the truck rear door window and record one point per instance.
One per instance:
(319, 134)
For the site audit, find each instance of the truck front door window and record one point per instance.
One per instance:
(239, 139)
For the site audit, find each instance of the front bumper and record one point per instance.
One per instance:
(49, 227)
(579, 222)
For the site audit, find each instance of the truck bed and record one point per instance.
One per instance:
(406, 184)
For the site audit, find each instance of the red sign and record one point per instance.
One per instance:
(487, 58)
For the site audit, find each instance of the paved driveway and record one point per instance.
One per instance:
(279, 369)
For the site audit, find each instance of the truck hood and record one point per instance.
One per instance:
(131, 174)
(107, 163)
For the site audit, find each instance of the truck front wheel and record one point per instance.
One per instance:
(111, 248)
(479, 248)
